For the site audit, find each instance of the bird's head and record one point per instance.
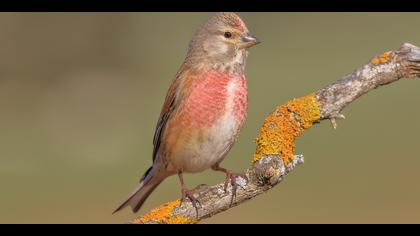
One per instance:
(222, 41)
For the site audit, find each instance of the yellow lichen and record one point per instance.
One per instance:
(282, 127)
(375, 61)
(384, 58)
(181, 220)
(163, 215)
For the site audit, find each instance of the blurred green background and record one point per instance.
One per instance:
(80, 94)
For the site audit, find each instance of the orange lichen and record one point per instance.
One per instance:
(163, 215)
(384, 58)
(282, 127)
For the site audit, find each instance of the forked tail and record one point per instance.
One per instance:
(147, 184)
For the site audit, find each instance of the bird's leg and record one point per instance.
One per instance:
(186, 193)
(230, 176)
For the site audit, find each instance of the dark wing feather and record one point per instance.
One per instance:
(167, 109)
(159, 128)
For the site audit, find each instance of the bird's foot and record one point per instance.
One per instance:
(231, 177)
(187, 193)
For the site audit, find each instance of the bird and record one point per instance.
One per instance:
(204, 110)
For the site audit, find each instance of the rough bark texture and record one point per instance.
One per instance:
(381, 70)
(270, 170)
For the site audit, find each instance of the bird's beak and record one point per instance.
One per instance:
(248, 41)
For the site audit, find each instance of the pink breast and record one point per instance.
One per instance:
(209, 96)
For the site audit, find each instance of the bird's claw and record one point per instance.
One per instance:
(231, 177)
(186, 193)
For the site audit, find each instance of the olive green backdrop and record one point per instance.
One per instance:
(80, 94)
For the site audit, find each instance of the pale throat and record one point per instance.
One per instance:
(227, 61)
(233, 64)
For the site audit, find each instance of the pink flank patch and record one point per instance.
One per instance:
(241, 101)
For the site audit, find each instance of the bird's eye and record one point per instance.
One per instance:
(228, 34)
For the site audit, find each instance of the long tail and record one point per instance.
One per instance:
(147, 184)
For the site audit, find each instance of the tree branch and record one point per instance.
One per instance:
(274, 156)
